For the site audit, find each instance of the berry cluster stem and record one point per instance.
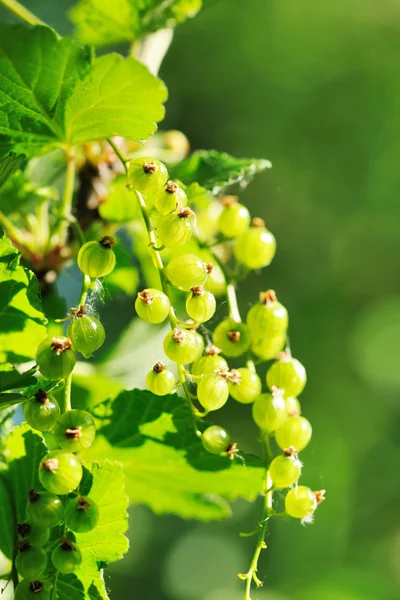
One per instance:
(232, 303)
(66, 204)
(21, 12)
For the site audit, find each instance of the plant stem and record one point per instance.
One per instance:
(66, 204)
(118, 153)
(21, 12)
(86, 281)
(65, 404)
(232, 303)
(152, 49)
(54, 588)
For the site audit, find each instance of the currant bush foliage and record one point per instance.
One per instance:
(76, 184)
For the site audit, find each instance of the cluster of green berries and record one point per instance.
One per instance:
(55, 513)
(263, 336)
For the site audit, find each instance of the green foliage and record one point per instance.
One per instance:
(22, 323)
(217, 170)
(8, 165)
(103, 23)
(165, 463)
(51, 101)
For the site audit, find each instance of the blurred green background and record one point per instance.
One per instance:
(314, 87)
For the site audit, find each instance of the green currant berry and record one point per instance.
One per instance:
(160, 380)
(44, 509)
(285, 470)
(34, 534)
(215, 439)
(267, 319)
(60, 472)
(175, 229)
(209, 363)
(147, 175)
(170, 198)
(152, 305)
(256, 247)
(244, 385)
(288, 374)
(181, 346)
(199, 340)
(200, 304)
(207, 219)
(32, 590)
(269, 411)
(81, 514)
(66, 557)
(87, 334)
(97, 259)
(42, 411)
(300, 502)
(269, 347)
(295, 433)
(30, 561)
(234, 219)
(186, 271)
(75, 430)
(213, 390)
(55, 357)
(293, 407)
(215, 282)
(233, 338)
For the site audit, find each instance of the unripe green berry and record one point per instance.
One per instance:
(55, 357)
(175, 229)
(186, 271)
(296, 432)
(213, 391)
(42, 411)
(147, 175)
(160, 380)
(288, 374)
(285, 470)
(268, 319)
(97, 259)
(209, 363)
(200, 304)
(81, 514)
(87, 334)
(269, 411)
(233, 338)
(300, 502)
(75, 430)
(152, 305)
(30, 561)
(44, 509)
(256, 247)
(293, 407)
(244, 385)
(32, 590)
(234, 218)
(181, 346)
(34, 534)
(60, 472)
(215, 439)
(170, 198)
(66, 557)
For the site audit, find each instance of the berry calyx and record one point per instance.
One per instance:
(66, 557)
(285, 470)
(213, 390)
(175, 229)
(75, 430)
(269, 411)
(244, 385)
(234, 219)
(152, 305)
(34, 534)
(160, 380)
(186, 271)
(288, 374)
(200, 304)
(60, 472)
(87, 334)
(55, 357)
(81, 514)
(256, 247)
(44, 509)
(42, 411)
(32, 590)
(300, 502)
(296, 432)
(215, 439)
(181, 346)
(147, 175)
(233, 338)
(97, 259)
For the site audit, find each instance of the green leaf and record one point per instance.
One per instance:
(8, 165)
(217, 170)
(165, 464)
(102, 23)
(70, 588)
(118, 97)
(19, 197)
(22, 322)
(38, 72)
(7, 537)
(11, 379)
